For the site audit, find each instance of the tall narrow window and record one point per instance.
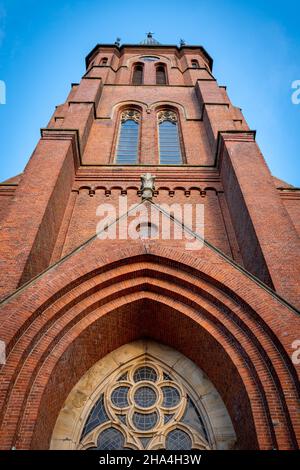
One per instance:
(195, 64)
(128, 141)
(137, 77)
(104, 61)
(161, 78)
(169, 143)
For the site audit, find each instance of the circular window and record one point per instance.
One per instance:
(145, 422)
(147, 230)
(145, 397)
(119, 397)
(145, 373)
(171, 397)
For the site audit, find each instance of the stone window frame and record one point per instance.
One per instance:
(174, 116)
(123, 115)
(70, 422)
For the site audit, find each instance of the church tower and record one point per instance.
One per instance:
(149, 269)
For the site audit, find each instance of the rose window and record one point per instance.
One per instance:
(145, 407)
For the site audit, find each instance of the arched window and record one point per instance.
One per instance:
(169, 142)
(195, 64)
(161, 77)
(153, 398)
(137, 77)
(104, 61)
(128, 139)
(143, 402)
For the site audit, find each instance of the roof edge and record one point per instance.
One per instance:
(156, 46)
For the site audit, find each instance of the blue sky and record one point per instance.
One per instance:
(255, 46)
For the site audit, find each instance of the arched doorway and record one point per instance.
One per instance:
(144, 395)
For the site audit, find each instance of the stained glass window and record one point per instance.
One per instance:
(145, 373)
(141, 405)
(96, 417)
(122, 418)
(123, 376)
(128, 140)
(171, 397)
(167, 376)
(169, 143)
(110, 439)
(178, 440)
(145, 421)
(168, 418)
(145, 441)
(193, 418)
(119, 397)
(145, 397)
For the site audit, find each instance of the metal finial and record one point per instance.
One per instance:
(118, 41)
(182, 42)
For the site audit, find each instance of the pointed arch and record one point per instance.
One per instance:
(170, 137)
(128, 138)
(89, 312)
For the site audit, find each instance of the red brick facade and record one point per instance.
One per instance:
(231, 306)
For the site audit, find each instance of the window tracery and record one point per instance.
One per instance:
(169, 142)
(128, 137)
(144, 407)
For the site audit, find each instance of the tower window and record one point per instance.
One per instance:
(161, 78)
(169, 143)
(128, 140)
(195, 64)
(149, 58)
(104, 61)
(137, 77)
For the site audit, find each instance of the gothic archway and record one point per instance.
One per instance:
(68, 319)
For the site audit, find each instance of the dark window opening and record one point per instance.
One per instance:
(137, 78)
(161, 78)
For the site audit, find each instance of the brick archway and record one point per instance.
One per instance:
(164, 295)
